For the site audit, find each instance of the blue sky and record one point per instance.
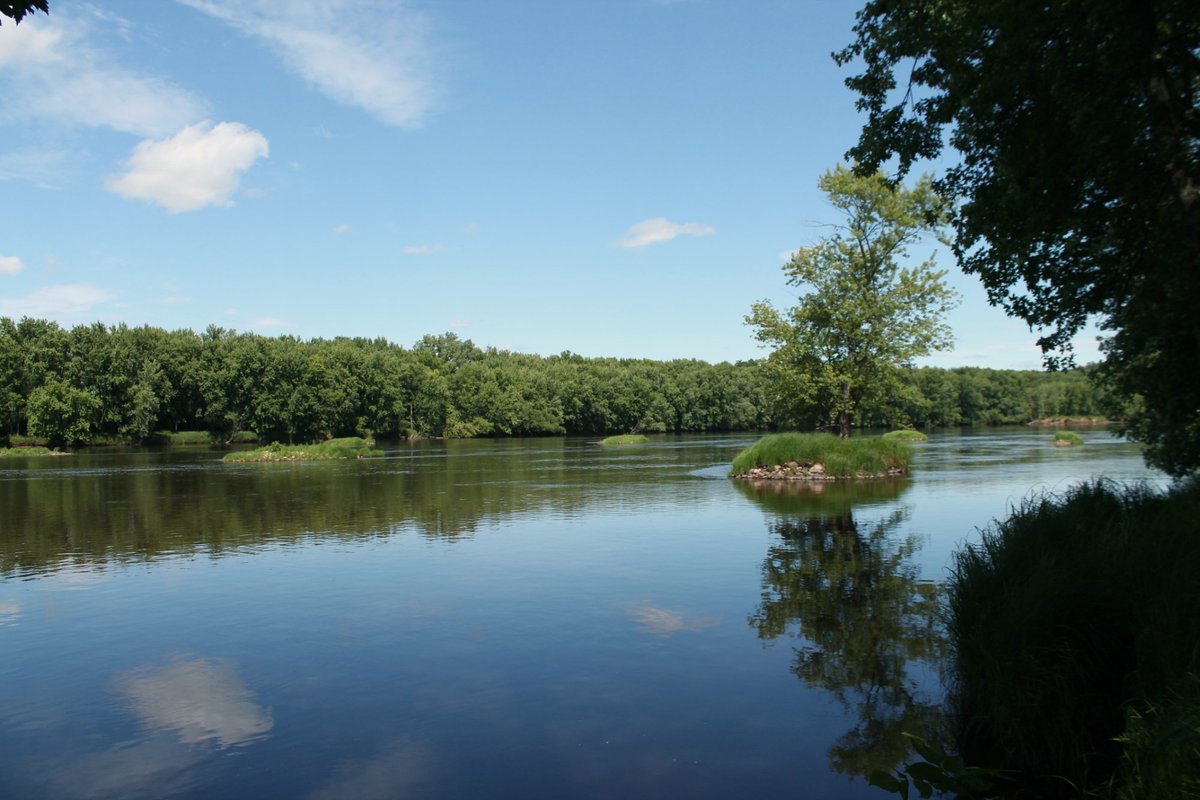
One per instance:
(618, 178)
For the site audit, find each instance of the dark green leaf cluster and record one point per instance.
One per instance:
(1077, 183)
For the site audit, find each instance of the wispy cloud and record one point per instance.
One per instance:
(56, 302)
(274, 323)
(421, 249)
(459, 323)
(342, 228)
(660, 229)
(375, 56)
(175, 300)
(43, 166)
(10, 265)
(55, 68)
(200, 166)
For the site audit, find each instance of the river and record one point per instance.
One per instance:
(534, 618)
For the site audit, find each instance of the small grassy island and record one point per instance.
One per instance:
(906, 435)
(820, 457)
(1067, 439)
(625, 438)
(9, 452)
(331, 450)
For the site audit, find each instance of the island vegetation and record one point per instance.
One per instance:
(820, 456)
(350, 447)
(906, 435)
(13, 452)
(1067, 439)
(625, 438)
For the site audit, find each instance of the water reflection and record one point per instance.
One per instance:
(865, 626)
(665, 622)
(199, 701)
(402, 769)
(118, 507)
(187, 708)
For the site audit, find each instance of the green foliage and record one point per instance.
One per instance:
(906, 435)
(625, 438)
(938, 771)
(185, 437)
(61, 414)
(16, 10)
(331, 450)
(864, 316)
(13, 452)
(1077, 190)
(1067, 439)
(1075, 622)
(248, 388)
(840, 457)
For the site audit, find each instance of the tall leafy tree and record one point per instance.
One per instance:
(1077, 186)
(864, 314)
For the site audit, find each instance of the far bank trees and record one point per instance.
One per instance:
(864, 316)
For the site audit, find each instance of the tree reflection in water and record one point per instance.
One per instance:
(867, 625)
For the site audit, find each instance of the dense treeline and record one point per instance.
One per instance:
(117, 382)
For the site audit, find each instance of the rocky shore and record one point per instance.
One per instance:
(795, 471)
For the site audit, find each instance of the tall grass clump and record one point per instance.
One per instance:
(330, 450)
(906, 435)
(840, 457)
(1075, 625)
(1067, 439)
(625, 438)
(12, 452)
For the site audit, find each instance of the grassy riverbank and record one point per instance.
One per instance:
(1076, 624)
(331, 450)
(837, 457)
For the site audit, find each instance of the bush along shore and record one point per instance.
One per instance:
(331, 450)
(820, 457)
(1075, 622)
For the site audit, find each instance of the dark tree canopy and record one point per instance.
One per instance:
(1077, 182)
(16, 11)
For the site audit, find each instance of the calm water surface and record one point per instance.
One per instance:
(538, 618)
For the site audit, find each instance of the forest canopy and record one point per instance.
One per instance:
(145, 379)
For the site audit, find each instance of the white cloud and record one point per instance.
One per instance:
(175, 300)
(42, 166)
(55, 68)
(459, 323)
(10, 265)
(660, 229)
(271, 322)
(56, 302)
(342, 228)
(363, 53)
(197, 167)
(421, 249)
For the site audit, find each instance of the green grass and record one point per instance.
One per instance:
(185, 437)
(7, 452)
(331, 450)
(1067, 439)
(625, 438)
(906, 435)
(1076, 633)
(840, 457)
